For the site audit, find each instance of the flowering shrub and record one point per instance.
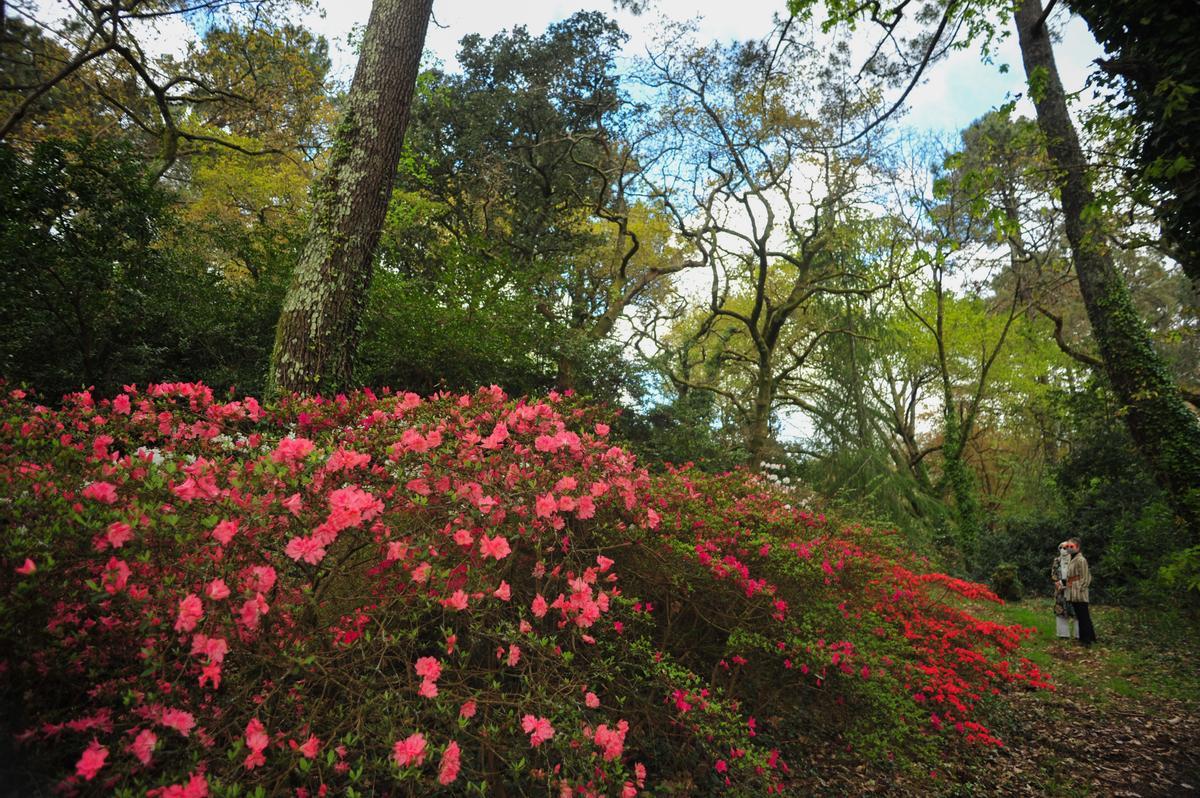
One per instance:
(390, 595)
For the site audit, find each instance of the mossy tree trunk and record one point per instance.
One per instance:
(1166, 434)
(318, 326)
(759, 437)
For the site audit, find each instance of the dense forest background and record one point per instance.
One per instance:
(735, 245)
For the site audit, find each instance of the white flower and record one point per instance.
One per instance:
(156, 457)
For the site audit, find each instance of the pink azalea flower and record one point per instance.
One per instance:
(539, 606)
(419, 486)
(292, 449)
(217, 590)
(121, 405)
(310, 746)
(104, 492)
(538, 729)
(354, 505)
(448, 771)
(260, 579)
(211, 673)
(458, 600)
(409, 751)
(497, 438)
(115, 576)
(305, 548)
(27, 569)
(428, 668)
(196, 787)
(604, 562)
(413, 441)
(225, 531)
(256, 735)
(514, 655)
(591, 700)
(546, 506)
(143, 745)
(177, 719)
(428, 689)
(586, 508)
(467, 710)
(252, 611)
(347, 460)
(118, 534)
(292, 504)
(611, 740)
(421, 573)
(191, 610)
(504, 592)
(92, 760)
(496, 547)
(215, 648)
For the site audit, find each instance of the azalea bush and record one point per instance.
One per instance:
(384, 594)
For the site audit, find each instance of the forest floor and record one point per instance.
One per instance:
(1123, 719)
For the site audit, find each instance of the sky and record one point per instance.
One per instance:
(959, 89)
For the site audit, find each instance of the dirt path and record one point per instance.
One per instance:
(1122, 722)
(1067, 743)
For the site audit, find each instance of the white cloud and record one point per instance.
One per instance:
(962, 88)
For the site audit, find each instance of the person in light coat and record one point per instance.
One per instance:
(1063, 615)
(1076, 585)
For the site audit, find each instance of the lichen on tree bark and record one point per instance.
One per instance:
(318, 329)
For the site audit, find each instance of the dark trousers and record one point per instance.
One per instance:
(1087, 633)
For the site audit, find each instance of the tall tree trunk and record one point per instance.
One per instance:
(318, 331)
(957, 474)
(759, 436)
(857, 397)
(962, 482)
(564, 379)
(1166, 434)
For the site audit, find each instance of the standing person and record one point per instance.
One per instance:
(1077, 582)
(1063, 614)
